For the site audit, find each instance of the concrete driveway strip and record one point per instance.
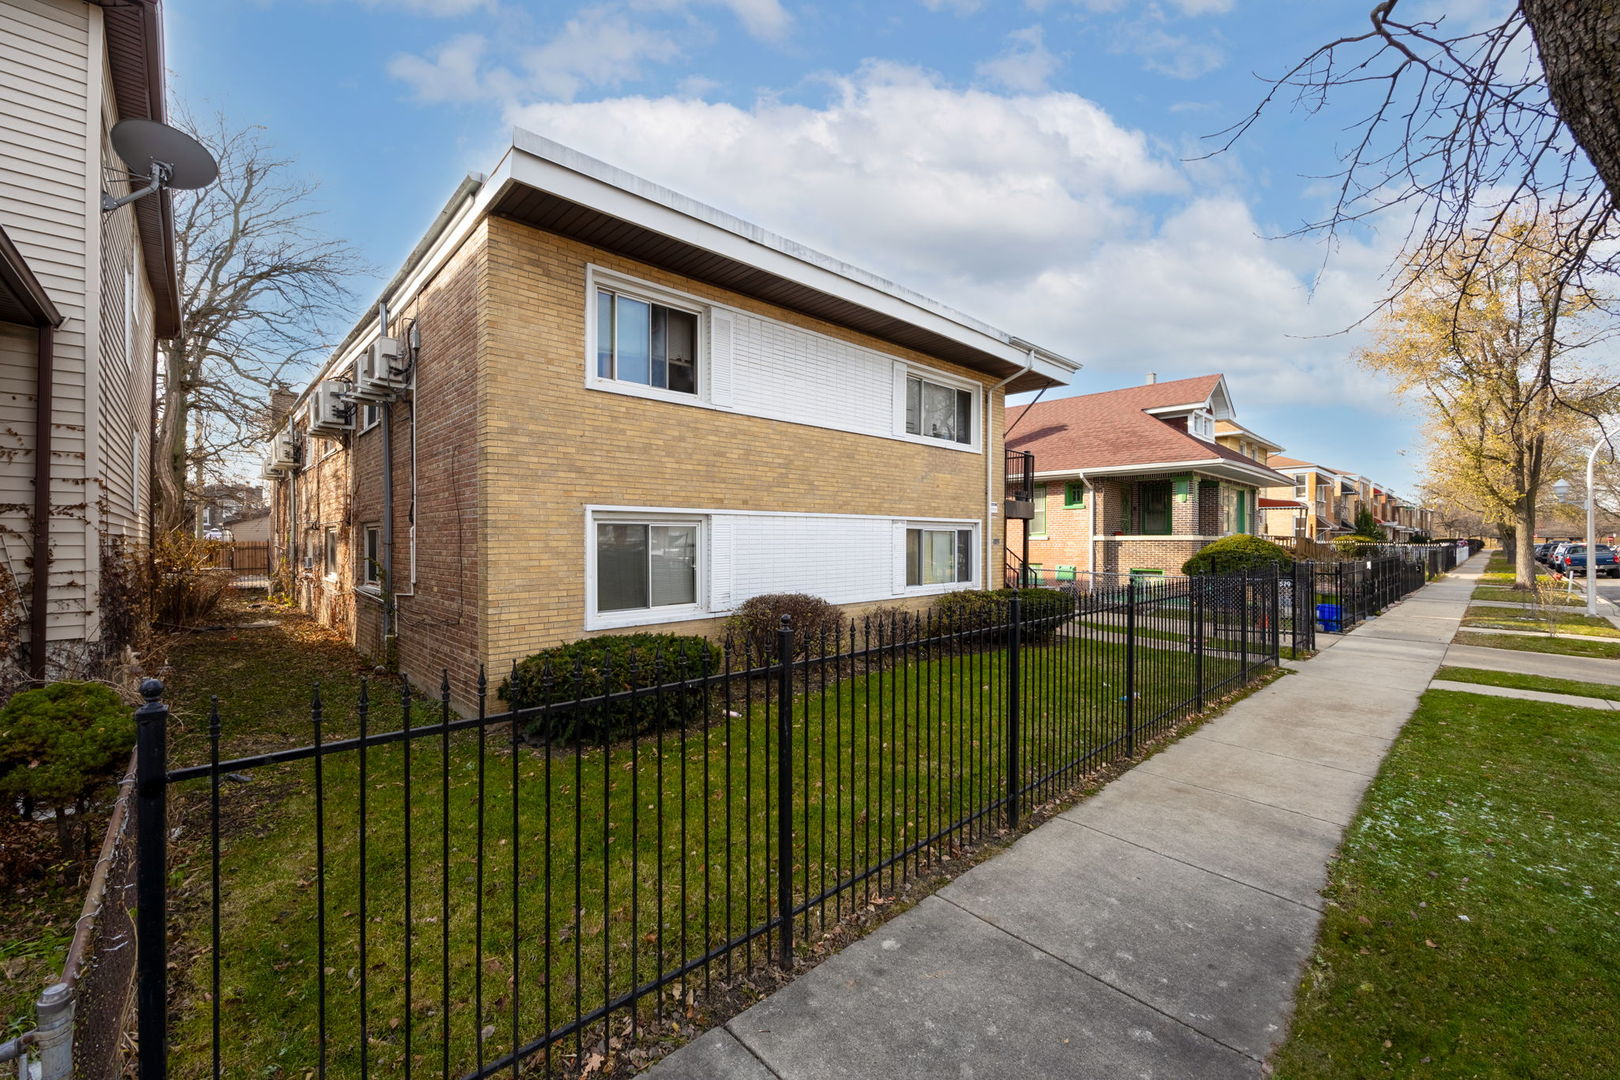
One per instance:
(1157, 930)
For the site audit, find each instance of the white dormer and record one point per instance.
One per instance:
(1201, 425)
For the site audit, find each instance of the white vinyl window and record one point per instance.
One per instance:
(937, 411)
(939, 556)
(645, 565)
(370, 416)
(1202, 425)
(331, 561)
(1037, 523)
(371, 555)
(651, 344)
(1300, 485)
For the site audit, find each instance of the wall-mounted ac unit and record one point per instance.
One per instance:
(283, 452)
(329, 414)
(380, 371)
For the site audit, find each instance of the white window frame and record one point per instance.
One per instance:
(596, 279)
(1040, 496)
(1201, 425)
(370, 415)
(606, 620)
(905, 370)
(369, 580)
(329, 553)
(975, 568)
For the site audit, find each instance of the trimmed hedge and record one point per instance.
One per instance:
(755, 623)
(1355, 547)
(1235, 554)
(1044, 610)
(610, 664)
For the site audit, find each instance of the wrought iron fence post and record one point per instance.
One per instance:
(1015, 644)
(1276, 617)
(1198, 590)
(1130, 666)
(1243, 625)
(784, 792)
(151, 873)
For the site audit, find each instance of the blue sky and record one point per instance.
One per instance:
(1031, 163)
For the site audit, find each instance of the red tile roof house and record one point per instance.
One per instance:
(1132, 480)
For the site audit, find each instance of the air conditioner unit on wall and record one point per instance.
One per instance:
(329, 414)
(281, 457)
(380, 371)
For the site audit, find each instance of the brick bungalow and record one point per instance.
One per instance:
(1132, 480)
(590, 405)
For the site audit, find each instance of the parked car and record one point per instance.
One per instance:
(1543, 552)
(1572, 560)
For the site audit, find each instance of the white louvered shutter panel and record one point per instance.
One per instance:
(900, 374)
(899, 557)
(722, 327)
(721, 554)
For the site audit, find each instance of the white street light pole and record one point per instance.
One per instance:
(1591, 526)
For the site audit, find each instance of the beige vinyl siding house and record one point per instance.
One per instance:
(621, 410)
(69, 71)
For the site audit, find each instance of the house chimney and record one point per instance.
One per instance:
(281, 403)
(1153, 377)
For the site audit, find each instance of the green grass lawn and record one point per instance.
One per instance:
(1566, 646)
(1551, 620)
(1514, 679)
(1546, 596)
(1471, 929)
(672, 834)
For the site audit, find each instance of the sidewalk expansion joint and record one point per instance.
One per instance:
(1234, 795)
(1284, 757)
(742, 1042)
(1100, 981)
(1191, 865)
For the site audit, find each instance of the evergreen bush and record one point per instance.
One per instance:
(58, 744)
(1235, 554)
(610, 664)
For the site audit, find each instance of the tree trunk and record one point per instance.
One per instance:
(1579, 43)
(173, 426)
(1524, 547)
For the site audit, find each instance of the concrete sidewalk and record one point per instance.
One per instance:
(1156, 930)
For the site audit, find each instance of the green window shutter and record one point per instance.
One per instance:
(1074, 494)
(1183, 484)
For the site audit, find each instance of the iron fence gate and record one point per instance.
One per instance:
(453, 895)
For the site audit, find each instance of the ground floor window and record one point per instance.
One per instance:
(1156, 508)
(331, 561)
(645, 564)
(371, 555)
(939, 556)
(1037, 522)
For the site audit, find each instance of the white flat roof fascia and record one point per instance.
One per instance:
(540, 163)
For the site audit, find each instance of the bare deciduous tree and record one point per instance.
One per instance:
(260, 289)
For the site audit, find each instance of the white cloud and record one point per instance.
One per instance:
(451, 75)
(598, 47)
(1181, 56)
(1034, 211)
(766, 19)
(441, 8)
(1025, 64)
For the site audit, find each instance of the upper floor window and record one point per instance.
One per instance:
(1202, 425)
(638, 341)
(1300, 485)
(937, 411)
(1037, 523)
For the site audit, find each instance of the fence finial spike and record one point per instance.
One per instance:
(213, 715)
(151, 690)
(483, 680)
(444, 682)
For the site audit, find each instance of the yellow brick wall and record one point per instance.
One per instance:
(550, 446)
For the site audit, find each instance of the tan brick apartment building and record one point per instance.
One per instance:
(1134, 479)
(599, 406)
(1331, 498)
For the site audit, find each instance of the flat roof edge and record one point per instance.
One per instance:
(1051, 364)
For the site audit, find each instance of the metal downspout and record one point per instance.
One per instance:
(38, 625)
(390, 615)
(990, 500)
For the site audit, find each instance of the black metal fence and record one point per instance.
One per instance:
(464, 896)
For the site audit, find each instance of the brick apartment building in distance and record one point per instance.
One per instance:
(597, 406)
(1135, 480)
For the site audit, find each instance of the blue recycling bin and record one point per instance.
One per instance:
(1328, 616)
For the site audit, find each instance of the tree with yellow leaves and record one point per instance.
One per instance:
(1487, 337)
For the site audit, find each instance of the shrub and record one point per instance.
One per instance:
(1355, 547)
(1234, 554)
(1044, 610)
(58, 744)
(185, 589)
(754, 625)
(607, 665)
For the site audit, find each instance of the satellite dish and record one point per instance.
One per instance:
(164, 156)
